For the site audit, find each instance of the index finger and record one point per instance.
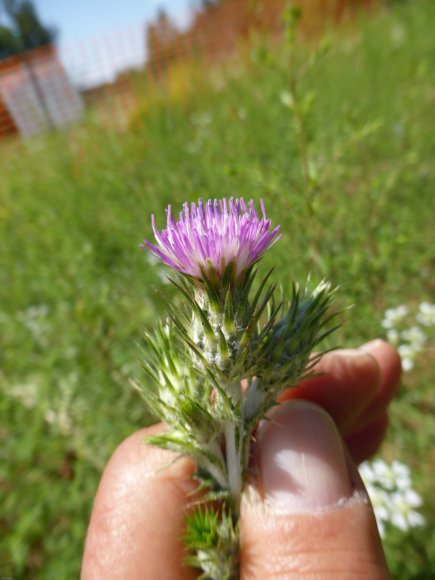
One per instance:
(138, 514)
(356, 387)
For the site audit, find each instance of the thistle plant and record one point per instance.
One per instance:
(216, 366)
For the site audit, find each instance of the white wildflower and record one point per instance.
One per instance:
(34, 319)
(394, 315)
(393, 336)
(25, 393)
(414, 336)
(399, 521)
(392, 496)
(411, 498)
(415, 519)
(409, 340)
(426, 314)
(402, 474)
(407, 364)
(406, 351)
(60, 412)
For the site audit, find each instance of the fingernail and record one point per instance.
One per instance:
(302, 460)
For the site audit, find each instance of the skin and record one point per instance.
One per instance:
(140, 505)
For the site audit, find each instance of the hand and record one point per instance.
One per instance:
(305, 513)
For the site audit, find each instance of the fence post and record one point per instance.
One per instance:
(33, 78)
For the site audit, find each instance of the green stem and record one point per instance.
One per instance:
(217, 472)
(233, 430)
(303, 143)
(235, 483)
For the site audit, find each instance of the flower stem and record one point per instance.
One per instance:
(233, 463)
(233, 430)
(217, 472)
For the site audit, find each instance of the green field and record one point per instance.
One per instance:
(76, 290)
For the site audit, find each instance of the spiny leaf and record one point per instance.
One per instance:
(202, 529)
(211, 293)
(228, 277)
(229, 313)
(223, 345)
(213, 538)
(260, 289)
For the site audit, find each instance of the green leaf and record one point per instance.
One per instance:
(213, 538)
(229, 313)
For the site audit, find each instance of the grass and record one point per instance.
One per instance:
(75, 290)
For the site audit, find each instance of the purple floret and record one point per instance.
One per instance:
(213, 234)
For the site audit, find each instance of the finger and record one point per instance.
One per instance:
(390, 367)
(365, 443)
(307, 516)
(138, 514)
(349, 383)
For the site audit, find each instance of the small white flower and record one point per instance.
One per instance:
(408, 351)
(25, 393)
(393, 336)
(396, 314)
(393, 316)
(402, 474)
(411, 498)
(383, 474)
(367, 473)
(415, 336)
(392, 496)
(387, 324)
(426, 314)
(39, 311)
(35, 320)
(415, 520)
(399, 521)
(407, 364)
(405, 350)
(409, 341)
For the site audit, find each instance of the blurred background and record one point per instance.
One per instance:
(108, 112)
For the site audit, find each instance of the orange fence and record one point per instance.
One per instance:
(51, 88)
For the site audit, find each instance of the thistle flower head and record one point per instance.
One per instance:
(209, 237)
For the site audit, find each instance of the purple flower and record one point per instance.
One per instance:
(210, 236)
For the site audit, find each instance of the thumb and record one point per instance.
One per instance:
(309, 515)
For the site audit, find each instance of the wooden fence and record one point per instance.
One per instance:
(48, 89)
